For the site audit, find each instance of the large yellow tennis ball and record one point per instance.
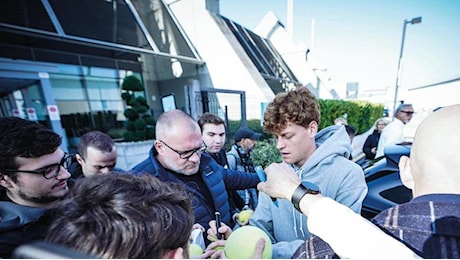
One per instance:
(195, 250)
(242, 243)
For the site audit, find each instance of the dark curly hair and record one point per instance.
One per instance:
(23, 138)
(122, 215)
(298, 106)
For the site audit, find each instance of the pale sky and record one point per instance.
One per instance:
(360, 40)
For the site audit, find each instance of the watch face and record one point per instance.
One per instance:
(311, 186)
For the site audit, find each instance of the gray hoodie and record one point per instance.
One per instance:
(337, 177)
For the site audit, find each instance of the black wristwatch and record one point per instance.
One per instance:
(304, 188)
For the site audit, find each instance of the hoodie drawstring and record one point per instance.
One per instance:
(295, 212)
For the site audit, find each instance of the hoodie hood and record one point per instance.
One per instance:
(330, 142)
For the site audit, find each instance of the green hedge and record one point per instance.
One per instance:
(359, 114)
(265, 153)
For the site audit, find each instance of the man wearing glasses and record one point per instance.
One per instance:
(179, 156)
(33, 177)
(393, 133)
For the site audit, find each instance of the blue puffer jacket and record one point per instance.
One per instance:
(215, 177)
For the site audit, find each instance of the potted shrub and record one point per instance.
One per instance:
(140, 125)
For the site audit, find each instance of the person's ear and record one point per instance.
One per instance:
(79, 159)
(177, 253)
(405, 173)
(5, 181)
(158, 146)
(313, 128)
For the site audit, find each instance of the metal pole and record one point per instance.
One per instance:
(399, 66)
(415, 20)
(243, 108)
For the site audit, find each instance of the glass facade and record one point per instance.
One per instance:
(89, 97)
(81, 51)
(107, 21)
(18, 13)
(264, 56)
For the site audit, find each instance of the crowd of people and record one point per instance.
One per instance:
(309, 205)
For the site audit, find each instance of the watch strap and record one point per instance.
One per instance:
(299, 193)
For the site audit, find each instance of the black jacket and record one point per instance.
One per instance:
(371, 141)
(20, 225)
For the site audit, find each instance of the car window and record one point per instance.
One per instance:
(399, 194)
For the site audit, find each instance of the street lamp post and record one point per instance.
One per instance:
(415, 20)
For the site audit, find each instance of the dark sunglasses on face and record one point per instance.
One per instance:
(49, 171)
(408, 112)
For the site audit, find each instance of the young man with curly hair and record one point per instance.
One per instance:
(319, 157)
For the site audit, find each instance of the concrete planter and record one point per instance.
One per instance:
(132, 153)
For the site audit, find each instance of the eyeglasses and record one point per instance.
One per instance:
(49, 171)
(407, 112)
(187, 154)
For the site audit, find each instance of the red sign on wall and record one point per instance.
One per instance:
(53, 113)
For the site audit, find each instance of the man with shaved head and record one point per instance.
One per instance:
(430, 222)
(178, 155)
